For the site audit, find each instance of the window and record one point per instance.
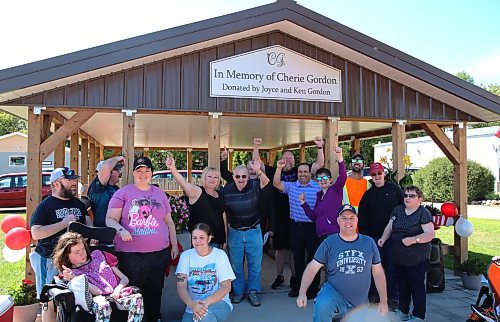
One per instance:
(17, 161)
(5, 182)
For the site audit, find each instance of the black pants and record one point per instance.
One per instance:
(390, 273)
(303, 238)
(147, 271)
(412, 286)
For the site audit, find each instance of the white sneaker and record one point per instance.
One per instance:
(400, 316)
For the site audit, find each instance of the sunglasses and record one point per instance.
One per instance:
(322, 178)
(68, 172)
(243, 176)
(410, 195)
(376, 173)
(360, 161)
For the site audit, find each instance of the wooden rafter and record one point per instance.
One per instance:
(442, 141)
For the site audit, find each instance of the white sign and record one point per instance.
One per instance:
(275, 73)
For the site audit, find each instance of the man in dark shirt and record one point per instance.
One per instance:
(49, 221)
(375, 209)
(104, 186)
(244, 239)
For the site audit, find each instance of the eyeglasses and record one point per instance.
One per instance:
(360, 161)
(243, 176)
(410, 195)
(322, 178)
(376, 173)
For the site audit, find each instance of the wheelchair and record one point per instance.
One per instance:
(63, 298)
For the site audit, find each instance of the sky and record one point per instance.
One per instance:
(453, 35)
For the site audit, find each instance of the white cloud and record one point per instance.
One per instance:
(486, 70)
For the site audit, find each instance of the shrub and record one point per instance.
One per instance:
(436, 180)
(473, 267)
(492, 196)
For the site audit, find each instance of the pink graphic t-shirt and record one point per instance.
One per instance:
(143, 215)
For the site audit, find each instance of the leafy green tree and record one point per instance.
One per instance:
(465, 76)
(494, 88)
(10, 123)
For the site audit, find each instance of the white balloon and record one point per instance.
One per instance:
(13, 256)
(464, 228)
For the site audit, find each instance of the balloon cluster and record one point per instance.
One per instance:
(17, 237)
(463, 227)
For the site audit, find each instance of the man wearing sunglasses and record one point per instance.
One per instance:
(242, 199)
(355, 185)
(279, 223)
(49, 221)
(375, 209)
(104, 186)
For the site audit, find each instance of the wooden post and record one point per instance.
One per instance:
(302, 153)
(92, 160)
(460, 190)
(146, 152)
(85, 162)
(355, 146)
(331, 140)
(101, 152)
(73, 146)
(34, 184)
(60, 152)
(189, 165)
(398, 148)
(214, 140)
(128, 146)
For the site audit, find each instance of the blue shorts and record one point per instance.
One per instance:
(44, 269)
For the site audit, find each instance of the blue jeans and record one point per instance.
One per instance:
(217, 312)
(329, 304)
(247, 244)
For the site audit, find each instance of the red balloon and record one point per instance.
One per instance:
(449, 209)
(12, 221)
(498, 133)
(17, 238)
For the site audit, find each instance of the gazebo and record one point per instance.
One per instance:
(279, 71)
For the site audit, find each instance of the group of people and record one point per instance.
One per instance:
(312, 220)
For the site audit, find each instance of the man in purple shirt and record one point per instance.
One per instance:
(328, 199)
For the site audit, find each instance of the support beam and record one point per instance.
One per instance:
(460, 190)
(74, 147)
(214, 140)
(443, 142)
(118, 151)
(272, 157)
(189, 165)
(128, 147)
(84, 172)
(92, 160)
(47, 123)
(34, 184)
(355, 146)
(73, 124)
(60, 152)
(331, 140)
(398, 148)
(146, 152)
(302, 153)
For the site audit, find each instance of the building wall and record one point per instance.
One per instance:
(482, 146)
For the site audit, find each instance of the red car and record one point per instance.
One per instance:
(13, 189)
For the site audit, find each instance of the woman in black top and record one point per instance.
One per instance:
(411, 230)
(205, 202)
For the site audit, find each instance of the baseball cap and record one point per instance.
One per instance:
(347, 207)
(65, 173)
(376, 166)
(143, 162)
(118, 166)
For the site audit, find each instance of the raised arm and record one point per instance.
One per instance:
(191, 190)
(320, 157)
(256, 165)
(277, 175)
(107, 167)
(256, 144)
(224, 171)
(340, 182)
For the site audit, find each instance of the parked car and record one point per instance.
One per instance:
(165, 180)
(13, 189)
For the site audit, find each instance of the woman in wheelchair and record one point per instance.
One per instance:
(106, 282)
(204, 277)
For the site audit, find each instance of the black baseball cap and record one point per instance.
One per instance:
(347, 207)
(143, 162)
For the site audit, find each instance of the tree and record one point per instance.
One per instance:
(465, 76)
(494, 88)
(10, 123)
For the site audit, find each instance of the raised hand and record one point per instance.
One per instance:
(319, 141)
(223, 154)
(170, 163)
(281, 164)
(257, 141)
(302, 198)
(338, 153)
(67, 273)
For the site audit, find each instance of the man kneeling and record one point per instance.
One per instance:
(350, 260)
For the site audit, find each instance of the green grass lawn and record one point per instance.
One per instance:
(484, 244)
